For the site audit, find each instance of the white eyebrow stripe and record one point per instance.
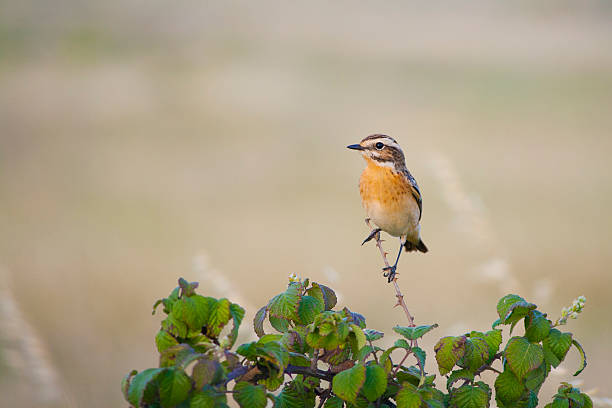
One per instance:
(386, 140)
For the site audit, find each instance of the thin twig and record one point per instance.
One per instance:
(398, 292)
(373, 351)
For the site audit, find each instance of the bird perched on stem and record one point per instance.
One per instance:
(390, 195)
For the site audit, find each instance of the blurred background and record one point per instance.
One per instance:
(142, 141)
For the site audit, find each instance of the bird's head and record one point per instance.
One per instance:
(381, 150)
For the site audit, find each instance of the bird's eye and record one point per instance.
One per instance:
(379, 145)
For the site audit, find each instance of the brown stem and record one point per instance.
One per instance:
(398, 292)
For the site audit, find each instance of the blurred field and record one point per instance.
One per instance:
(140, 137)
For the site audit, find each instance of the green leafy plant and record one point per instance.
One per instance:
(319, 355)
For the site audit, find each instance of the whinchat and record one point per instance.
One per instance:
(389, 194)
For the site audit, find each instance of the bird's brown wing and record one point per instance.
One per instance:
(416, 193)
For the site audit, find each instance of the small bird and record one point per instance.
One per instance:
(390, 195)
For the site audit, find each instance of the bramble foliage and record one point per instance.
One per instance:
(321, 356)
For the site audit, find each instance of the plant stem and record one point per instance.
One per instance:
(398, 292)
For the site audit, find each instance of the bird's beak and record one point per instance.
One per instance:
(355, 147)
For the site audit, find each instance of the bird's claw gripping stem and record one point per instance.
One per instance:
(390, 272)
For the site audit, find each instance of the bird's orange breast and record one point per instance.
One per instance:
(380, 183)
(388, 201)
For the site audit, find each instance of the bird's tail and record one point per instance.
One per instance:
(409, 246)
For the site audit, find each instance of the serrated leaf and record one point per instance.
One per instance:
(218, 318)
(535, 379)
(174, 387)
(537, 326)
(448, 351)
(329, 297)
(285, 305)
(402, 343)
(298, 359)
(477, 353)
(143, 387)
(125, 383)
(237, 314)
(280, 324)
(523, 356)
(258, 321)
(375, 383)
(180, 355)
(583, 361)
(346, 384)
(558, 344)
(493, 338)
(414, 333)
(250, 396)
(420, 355)
(163, 340)
(192, 310)
(308, 308)
(356, 318)
(333, 402)
(471, 396)
(359, 338)
(288, 398)
(373, 335)
(457, 375)
(512, 308)
(206, 372)
(203, 399)
(508, 388)
(408, 397)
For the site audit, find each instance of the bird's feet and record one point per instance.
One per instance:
(372, 235)
(390, 273)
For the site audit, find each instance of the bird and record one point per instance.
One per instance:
(390, 195)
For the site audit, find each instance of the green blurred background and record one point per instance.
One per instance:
(146, 140)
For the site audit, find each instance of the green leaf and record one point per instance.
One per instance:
(258, 321)
(523, 356)
(285, 305)
(250, 396)
(180, 355)
(373, 335)
(192, 310)
(280, 324)
(174, 387)
(556, 344)
(309, 307)
(289, 397)
(471, 396)
(508, 388)
(448, 351)
(457, 375)
(163, 340)
(143, 387)
(375, 383)
(583, 361)
(408, 397)
(125, 383)
(357, 338)
(414, 333)
(537, 326)
(511, 308)
(237, 314)
(333, 402)
(206, 372)
(346, 384)
(401, 343)
(493, 338)
(420, 355)
(218, 318)
(329, 297)
(297, 359)
(476, 354)
(203, 399)
(535, 379)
